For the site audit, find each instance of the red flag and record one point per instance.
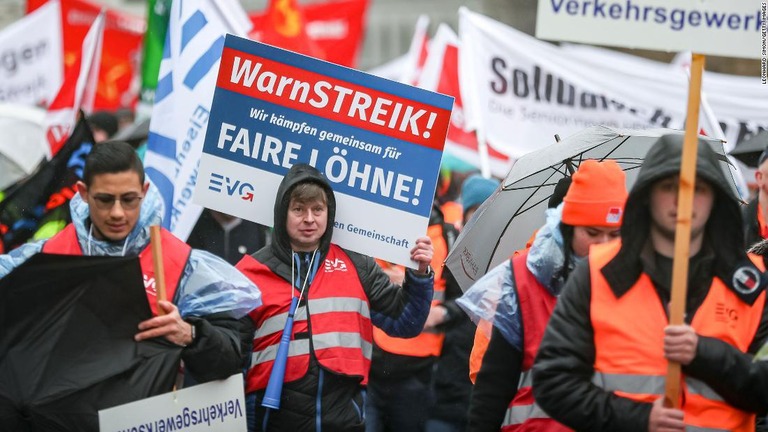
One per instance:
(284, 26)
(335, 28)
(77, 90)
(123, 34)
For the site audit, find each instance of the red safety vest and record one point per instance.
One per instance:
(175, 256)
(338, 331)
(629, 341)
(536, 306)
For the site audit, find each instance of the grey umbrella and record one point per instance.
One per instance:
(505, 221)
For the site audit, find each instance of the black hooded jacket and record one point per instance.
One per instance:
(565, 363)
(399, 311)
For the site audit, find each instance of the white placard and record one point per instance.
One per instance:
(31, 59)
(214, 406)
(730, 28)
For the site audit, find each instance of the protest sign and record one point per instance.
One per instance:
(31, 58)
(211, 407)
(729, 28)
(523, 91)
(739, 103)
(378, 143)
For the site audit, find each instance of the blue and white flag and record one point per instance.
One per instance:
(183, 98)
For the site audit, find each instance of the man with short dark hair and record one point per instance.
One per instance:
(340, 295)
(111, 216)
(756, 212)
(603, 360)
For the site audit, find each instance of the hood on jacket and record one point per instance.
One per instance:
(299, 173)
(723, 227)
(151, 213)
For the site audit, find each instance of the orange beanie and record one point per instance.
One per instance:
(596, 196)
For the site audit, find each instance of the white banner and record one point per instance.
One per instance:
(739, 103)
(522, 91)
(729, 28)
(217, 406)
(31, 60)
(183, 102)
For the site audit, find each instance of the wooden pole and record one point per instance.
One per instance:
(157, 260)
(683, 230)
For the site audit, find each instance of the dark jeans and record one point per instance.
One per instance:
(397, 405)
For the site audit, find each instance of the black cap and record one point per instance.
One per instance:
(763, 157)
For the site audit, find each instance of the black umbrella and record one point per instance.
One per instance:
(67, 348)
(749, 150)
(506, 220)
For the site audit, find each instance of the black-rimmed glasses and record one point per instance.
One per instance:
(127, 202)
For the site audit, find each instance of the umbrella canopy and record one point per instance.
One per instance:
(67, 348)
(133, 134)
(22, 142)
(516, 210)
(748, 151)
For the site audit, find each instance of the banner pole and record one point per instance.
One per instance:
(683, 230)
(157, 261)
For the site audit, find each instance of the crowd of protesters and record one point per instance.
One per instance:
(579, 338)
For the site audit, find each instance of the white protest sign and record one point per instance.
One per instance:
(730, 28)
(740, 103)
(31, 58)
(377, 142)
(217, 406)
(523, 91)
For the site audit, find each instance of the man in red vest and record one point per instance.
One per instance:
(111, 216)
(603, 360)
(340, 296)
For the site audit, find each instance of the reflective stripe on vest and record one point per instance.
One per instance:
(338, 332)
(427, 343)
(175, 256)
(328, 340)
(536, 306)
(648, 384)
(629, 339)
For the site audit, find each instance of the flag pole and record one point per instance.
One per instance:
(157, 261)
(683, 229)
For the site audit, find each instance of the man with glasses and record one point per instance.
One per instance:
(111, 216)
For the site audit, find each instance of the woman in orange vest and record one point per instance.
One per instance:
(590, 214)
(602, 362)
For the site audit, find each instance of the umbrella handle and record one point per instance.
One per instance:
(276, 377)
(157, 261)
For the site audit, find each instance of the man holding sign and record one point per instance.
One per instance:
(111, 216)
(340, 295)
(603, 359)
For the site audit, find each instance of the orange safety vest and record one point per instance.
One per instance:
(175, 256)
(453, 213)
(536, 306)
(629, 340)
(427, 343)
(338, 331)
